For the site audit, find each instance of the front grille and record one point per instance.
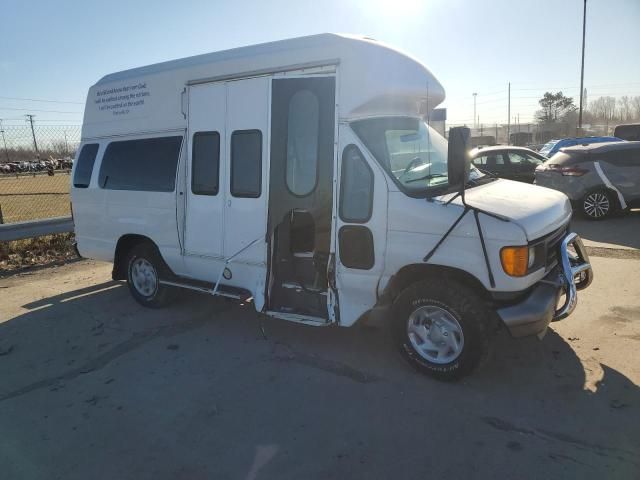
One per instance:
(547, 249)
(553, 243)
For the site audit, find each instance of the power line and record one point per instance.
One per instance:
(41, 100)
(33, 110)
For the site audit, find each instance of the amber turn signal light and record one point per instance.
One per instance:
(515, 260)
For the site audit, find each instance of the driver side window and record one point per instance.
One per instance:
(356, 187)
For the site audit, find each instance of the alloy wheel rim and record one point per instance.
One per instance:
(596, 205)
(144, 277)
(435, 334)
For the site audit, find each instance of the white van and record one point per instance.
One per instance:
(301, 174)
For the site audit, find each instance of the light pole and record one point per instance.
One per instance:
(4, 140)
(584, 27)
(475, 124)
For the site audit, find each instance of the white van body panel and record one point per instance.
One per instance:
(358, 288)
(229, 91)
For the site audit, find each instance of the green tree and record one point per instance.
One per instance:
(555, 107)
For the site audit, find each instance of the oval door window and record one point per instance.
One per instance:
(302, 143)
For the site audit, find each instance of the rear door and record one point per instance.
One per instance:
(522, 166)
(247, 165)
(204, 199)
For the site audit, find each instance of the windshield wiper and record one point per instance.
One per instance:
(427, 177)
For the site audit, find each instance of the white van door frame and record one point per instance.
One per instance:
(361, 241)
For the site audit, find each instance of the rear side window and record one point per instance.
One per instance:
(356, 187)
(246, 163)
(84, 168)
(623, 157)
(147, 165)
(205, 162)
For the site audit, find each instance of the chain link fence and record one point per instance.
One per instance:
(35, 168)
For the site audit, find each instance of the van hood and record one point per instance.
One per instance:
(538, 210)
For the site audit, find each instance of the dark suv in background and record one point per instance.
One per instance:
(598, 178)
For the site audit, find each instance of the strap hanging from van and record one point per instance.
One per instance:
(476, 212)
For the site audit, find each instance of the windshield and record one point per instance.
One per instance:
(411, 151)
(547, 147)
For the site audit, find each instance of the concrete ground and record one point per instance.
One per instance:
(621, 232)
(95, 386)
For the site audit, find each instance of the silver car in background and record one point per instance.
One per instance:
(599, 179)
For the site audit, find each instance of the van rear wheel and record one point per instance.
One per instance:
(144, 267)
(442, 328)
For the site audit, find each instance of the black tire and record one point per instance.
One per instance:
(461, 303)
(599, 204)
(157, 295)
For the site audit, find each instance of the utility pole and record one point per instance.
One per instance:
(4, 140)
(35, 144)
(509, 117)
(474, 109)
(584, 28)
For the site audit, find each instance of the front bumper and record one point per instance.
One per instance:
(532, 315)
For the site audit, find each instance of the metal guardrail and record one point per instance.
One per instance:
(35, 228)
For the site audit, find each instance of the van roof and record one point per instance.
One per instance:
(372, 79)
(236, 55)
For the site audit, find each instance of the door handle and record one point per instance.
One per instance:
(228, 203)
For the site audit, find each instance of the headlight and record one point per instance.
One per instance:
(532, 257)
(515, 260)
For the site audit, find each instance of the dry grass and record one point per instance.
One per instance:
(34, 197)
(30, 252)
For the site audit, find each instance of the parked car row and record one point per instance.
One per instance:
(600, 175)
(599, 179)
(36, 165)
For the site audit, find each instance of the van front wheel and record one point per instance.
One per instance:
(144, 265)
(442, 328)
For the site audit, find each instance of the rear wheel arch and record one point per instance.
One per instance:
(123, 247)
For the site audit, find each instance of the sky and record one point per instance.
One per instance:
(54, 50)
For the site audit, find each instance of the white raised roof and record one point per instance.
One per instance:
(373, 79)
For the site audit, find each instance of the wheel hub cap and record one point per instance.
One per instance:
(435, 334)
(596, 205)
(144, 277)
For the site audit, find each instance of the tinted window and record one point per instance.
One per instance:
(84, 168)
(302, 142)
(246, 163)
(523, 158)
(622, 158)
(356, 187)
(356, 247)
(147, 165)
(205, 163)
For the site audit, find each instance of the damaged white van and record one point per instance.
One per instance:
(301, 174)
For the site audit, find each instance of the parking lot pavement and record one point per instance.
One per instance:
(94, 386)
(619, 232)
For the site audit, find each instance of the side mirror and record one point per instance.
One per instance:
(458, 161)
